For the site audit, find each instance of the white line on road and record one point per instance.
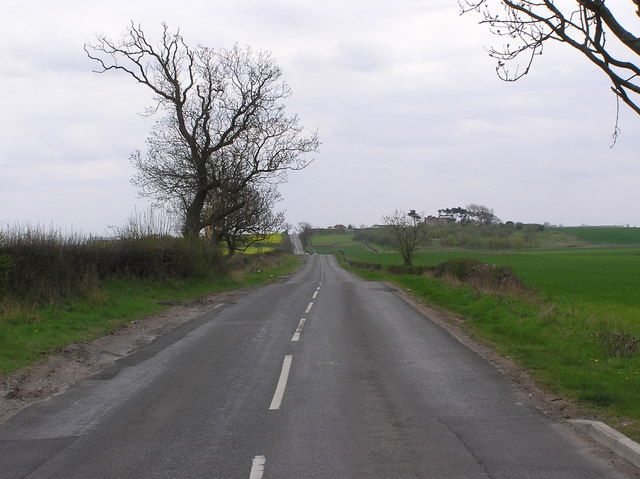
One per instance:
(257, 467)
(315, 295)
(296, 335)
(282, 383)
(308, 307)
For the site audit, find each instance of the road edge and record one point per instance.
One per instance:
(65, 367)
(614, 440)
(589, 429)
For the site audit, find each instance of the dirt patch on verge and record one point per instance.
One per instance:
(79, 361)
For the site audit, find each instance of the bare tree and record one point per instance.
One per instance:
(304, 231)
(482, 214)
(407, 231)
(589, 26)
(253, 223)
(224, 125)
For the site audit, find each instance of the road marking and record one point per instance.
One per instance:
(308, 308)
(296, 335)
(257, 467)
(315, 295)
(282, 383)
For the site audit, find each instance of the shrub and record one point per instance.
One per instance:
(480, 275)
(42, 265)
(459, 268)
(5, 268)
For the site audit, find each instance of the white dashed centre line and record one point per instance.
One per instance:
(257, 467)
(282, 383)
(315, 295)
(296, 335)
(306, 311)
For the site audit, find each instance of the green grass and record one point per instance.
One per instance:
(27, 335)
(329, 243)
(600, 281)
(603, 234)
(333, 240)
(581, 294)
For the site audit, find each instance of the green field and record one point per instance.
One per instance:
(604, 235)
(585, 299)
(602, 280)
(572, 276)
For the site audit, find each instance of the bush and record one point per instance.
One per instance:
(479, 274)
(5, 269)
(45, 266)
(459, 268)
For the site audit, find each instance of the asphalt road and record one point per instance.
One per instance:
(364, 387)
(297, 245)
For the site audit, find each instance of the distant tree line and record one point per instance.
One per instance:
(471, 214)
(472, 227)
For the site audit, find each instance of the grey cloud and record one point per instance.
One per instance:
(407, 103)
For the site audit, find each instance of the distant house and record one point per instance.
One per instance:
(435, 221)
(340, 227)
(378, 226)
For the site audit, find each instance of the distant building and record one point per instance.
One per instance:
(340, 227)
(435, 221)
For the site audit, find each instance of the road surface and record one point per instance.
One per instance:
(321, 376)
(297, 245)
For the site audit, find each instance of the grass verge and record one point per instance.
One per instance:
(27, 334)
(568, 352)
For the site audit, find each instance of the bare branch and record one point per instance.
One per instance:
(584, 25)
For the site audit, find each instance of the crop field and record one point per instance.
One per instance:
(585, 307)
(603, 235)
(266, 246)
(606, 280)
(330, 243)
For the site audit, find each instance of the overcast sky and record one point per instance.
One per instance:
(405, 98)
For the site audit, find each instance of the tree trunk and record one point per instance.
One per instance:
(193, 223)
(216, 242)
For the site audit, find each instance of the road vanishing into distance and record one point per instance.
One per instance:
(321, 376)
(296, 243)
